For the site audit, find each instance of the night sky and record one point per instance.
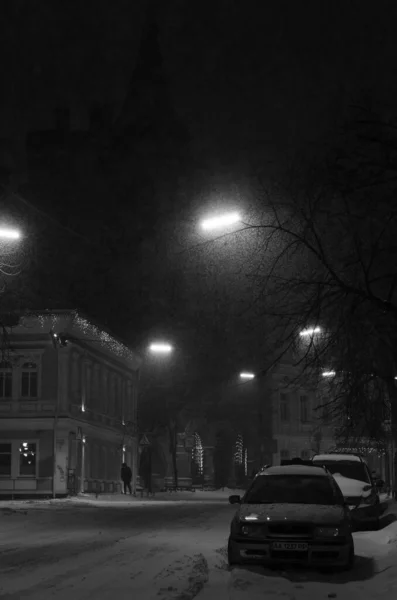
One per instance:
(123, 123)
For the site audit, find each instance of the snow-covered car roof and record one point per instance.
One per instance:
(294, 470)
(335, 457)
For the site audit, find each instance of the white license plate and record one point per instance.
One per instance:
(294, 546)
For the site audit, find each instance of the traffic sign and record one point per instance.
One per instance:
(144, 441)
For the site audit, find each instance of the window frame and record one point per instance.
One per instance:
(9, 443)
(5, 370)
(36, 371)
(304, 414)
(284, 403)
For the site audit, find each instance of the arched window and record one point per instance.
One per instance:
(29, 380)
(5, 379)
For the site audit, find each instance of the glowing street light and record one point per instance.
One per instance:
(160, 348)
(328, 373)
(221, 221)
(245, 375)
(310, 331)
(9, 234)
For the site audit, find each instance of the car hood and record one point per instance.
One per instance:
(352, 487)
(298, 513)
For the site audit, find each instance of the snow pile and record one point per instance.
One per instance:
(382, 537)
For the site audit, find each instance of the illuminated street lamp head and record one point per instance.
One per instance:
(160, 348)
(245, 375)
(328, 373)
(310, 331)
(221, 221)
(9, 234)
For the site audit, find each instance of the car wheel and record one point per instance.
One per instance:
(233, 557)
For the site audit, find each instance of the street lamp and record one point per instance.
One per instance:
(160, 348)
(245, 375)
(6, 233)
(328, 373)
(221, 221)
(310, 331)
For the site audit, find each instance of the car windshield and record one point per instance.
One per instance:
(351, 470)
(291, 489)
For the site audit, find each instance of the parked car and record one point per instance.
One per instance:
(360, 491)
(292, 514)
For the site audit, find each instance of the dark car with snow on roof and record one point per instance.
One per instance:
(292, 514)
(354, 479)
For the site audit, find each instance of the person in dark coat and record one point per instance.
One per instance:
(126, 477)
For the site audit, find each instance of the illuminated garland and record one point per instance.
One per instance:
(362, 450)
(246, 462)
(88, 329)
(239, 451)
(198, 453)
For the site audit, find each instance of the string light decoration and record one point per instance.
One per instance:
(364, 450)
(90, 331)
(239, 450)
(246, 462)
(198, 453)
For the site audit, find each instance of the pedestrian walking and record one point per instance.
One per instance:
(126, 477)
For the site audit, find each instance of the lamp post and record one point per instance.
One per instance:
(158, 349)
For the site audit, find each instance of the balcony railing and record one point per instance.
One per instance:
(16, 407)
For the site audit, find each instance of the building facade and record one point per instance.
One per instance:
(68, 407)
(298, 428)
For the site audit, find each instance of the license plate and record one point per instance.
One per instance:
(295, 546)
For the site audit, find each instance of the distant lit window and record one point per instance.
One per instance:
(27, 459)
(284, 454)
(29, 380)
(284, 408)
(5, 380)
(305, 454)
(5, 460)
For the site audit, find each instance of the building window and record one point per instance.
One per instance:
(284, 454)
(304, 409)
(284, 408)
(27, 459)
(5, 460)
(5, 380)
(29, 380)
(305, 455)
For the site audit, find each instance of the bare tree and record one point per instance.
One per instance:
(329, 256)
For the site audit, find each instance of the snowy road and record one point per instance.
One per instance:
(162, 550)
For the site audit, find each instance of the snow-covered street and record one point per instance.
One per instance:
(162, 549)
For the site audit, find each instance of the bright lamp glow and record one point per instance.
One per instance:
(160, 348)
(247, 375)
(220, 221)
(329, 373)
(9, 234)
(310, 331)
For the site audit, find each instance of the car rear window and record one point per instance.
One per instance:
(292, 489)
(351, 470)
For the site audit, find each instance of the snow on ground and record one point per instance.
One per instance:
(164, 550)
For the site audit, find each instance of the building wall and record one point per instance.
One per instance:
(297, 426)
(85, 392)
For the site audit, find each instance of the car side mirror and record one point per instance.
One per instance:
(234, 499)
(367, 488)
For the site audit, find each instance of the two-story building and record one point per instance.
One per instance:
(68, 406)
(298, 428)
